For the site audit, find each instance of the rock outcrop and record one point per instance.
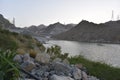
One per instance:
(42, 68)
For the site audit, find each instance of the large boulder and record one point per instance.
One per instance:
(42, 58)
(55, 77)
(61, 67)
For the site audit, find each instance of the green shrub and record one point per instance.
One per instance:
(8, 68)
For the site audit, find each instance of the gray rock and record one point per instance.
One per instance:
(26, 57)
(45, 79)
(92, 78)
(46, 74)
(55, 77)
(57, 60)
(60, 67)
(77, 73)
(80, 66)
(42, 58)
(29, 79)
(28, 65)
(52, 72)
(65, 61)
(18, 58)
(84, 76)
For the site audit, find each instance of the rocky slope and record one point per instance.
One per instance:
(34, 30)
(57, 28)
(90, 32)
(40, 30)
(5, 23)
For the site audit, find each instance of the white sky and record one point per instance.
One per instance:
(35, 12)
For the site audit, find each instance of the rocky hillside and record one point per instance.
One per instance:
(20, 43)
(90, 32)
(34, 30)
(40, 30)
(57, 28)
(5, 23)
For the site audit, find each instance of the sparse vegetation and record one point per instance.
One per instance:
(8, 68)
(15, 41)
(55, 51)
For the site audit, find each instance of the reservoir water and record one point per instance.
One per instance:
(107, 53)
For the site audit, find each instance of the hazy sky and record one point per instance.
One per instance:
(35, 12)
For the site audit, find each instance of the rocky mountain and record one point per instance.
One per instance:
(5, 23)
(57, 28)
(40, 30)
(90, 32)
(34, 30)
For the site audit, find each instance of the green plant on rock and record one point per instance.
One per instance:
(55, 51)
(8, 68)
(64, 56)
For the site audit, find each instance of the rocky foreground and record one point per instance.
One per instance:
(42, 67)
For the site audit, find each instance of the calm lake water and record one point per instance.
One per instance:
(108, 53)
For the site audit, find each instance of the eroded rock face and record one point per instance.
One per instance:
(55, 77)
(42, 58)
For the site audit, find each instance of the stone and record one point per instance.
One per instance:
(92, 78)
(57, 60)
(28, 65)
(80, 66)
(84, 76)
(55, 77)
(45, 79)
(18, 58)
(61, 67)
(46, 74)
(26, 57)
(29, 79)
(42, 58)
(65, 61)
(25, 79)
(77, 74)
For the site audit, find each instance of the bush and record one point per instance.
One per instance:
(8, 68)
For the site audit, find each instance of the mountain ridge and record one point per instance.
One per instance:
(86, 31)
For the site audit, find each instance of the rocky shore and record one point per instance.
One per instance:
(42, 67)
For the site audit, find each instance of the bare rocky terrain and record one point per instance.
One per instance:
(85, 31)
